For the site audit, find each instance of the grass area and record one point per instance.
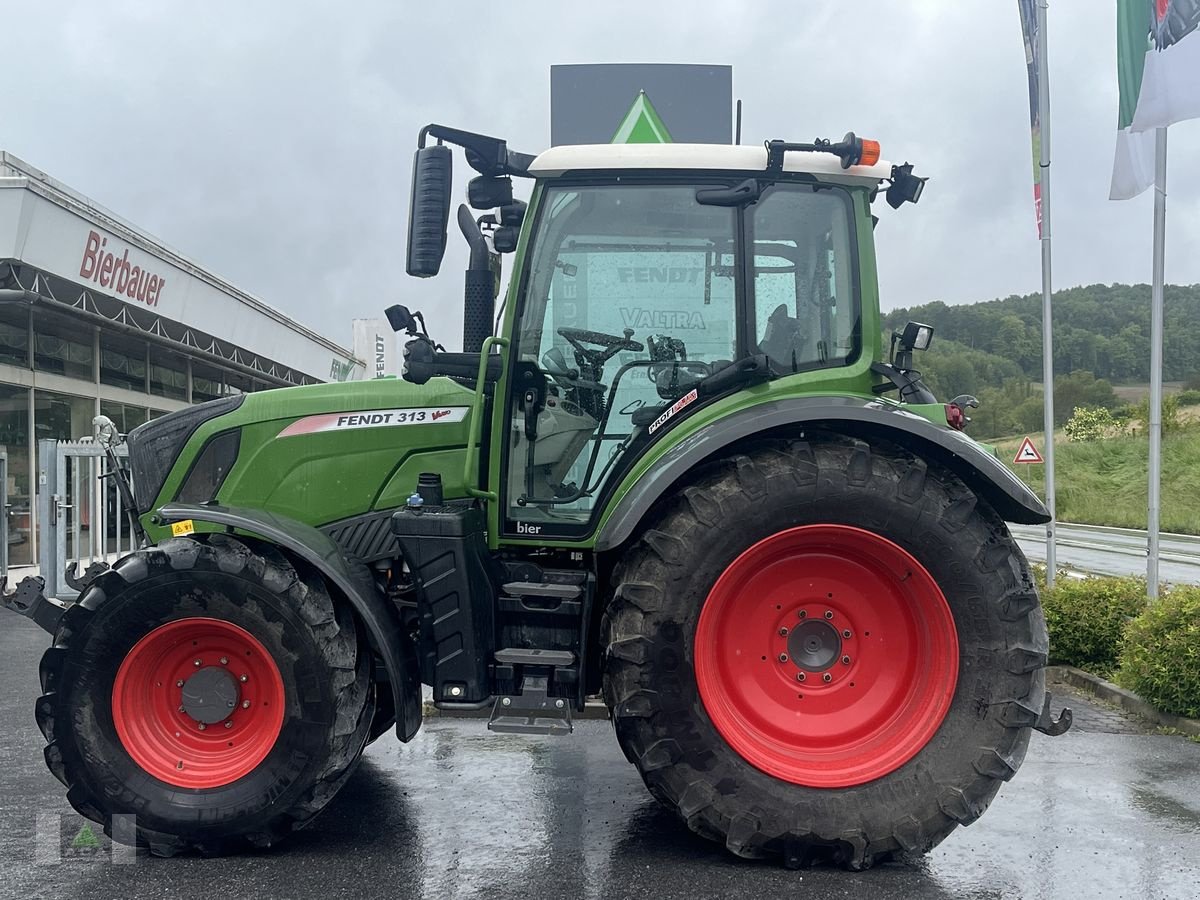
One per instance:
(1106, 482)
(1132, 393)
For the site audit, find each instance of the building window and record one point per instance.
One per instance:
(61, 416)
(14, 437)
(14, 334)
(63, 346)
(207, 382)
(237, 383)
(168, 374)
(122, 362)
(124, 416)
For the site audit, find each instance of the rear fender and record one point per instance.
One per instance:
(351, 579)
(857, 417)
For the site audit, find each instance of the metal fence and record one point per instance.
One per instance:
(81, 518)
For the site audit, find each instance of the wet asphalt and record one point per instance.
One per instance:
(1108, 810)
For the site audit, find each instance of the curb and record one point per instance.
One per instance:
(1127, 700)
(593, 709)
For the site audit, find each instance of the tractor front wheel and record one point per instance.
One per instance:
(211, 692)
(825, 651)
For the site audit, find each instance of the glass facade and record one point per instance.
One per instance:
(124, 416)
(14, 436)
(123, 361)
(14, 334)
(77, 370)
(63, 347)
(168, 374)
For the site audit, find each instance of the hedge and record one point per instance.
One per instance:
(1086, 618)
(1160, 658)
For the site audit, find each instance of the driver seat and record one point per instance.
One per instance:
(781, 337)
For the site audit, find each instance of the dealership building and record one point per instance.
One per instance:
(100, 318)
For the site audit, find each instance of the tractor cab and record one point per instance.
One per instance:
(650, 281)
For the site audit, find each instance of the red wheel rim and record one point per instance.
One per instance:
(826, 656)
(198, 703)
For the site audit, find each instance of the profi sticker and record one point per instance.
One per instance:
(685, 400)
(182, 529)
(376, 418)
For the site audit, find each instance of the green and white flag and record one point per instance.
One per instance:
(1158, 71)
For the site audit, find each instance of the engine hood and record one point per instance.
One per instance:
(317, 453)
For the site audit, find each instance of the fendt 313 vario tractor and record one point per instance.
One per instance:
(688, 474)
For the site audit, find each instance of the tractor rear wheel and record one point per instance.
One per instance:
(209, 690)
(825, 651)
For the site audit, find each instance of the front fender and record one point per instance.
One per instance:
(351, 579)
(854, 416)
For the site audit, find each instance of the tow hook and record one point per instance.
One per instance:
(29, 601)
(1047, 724)
(82, 582)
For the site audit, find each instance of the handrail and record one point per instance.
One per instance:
(475, 432)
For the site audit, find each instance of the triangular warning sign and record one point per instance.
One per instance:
(642, 124)
(1027, 453)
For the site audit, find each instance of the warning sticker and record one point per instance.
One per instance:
(180, 529)
(1027, 453)
(376, 418)
(675, 407)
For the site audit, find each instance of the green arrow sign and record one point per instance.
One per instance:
(642, 124)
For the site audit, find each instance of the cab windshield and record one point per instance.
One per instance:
(635, 292)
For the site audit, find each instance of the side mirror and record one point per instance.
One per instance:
(488, 193)
(401, 319)
(429, 210)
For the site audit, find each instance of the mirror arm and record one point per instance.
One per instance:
(487, 155)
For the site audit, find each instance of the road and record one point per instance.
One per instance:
(1108, 810)
(1113, 551)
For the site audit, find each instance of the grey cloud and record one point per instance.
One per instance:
(271, 142)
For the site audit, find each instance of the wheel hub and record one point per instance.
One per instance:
(814, 646)
(210, 695)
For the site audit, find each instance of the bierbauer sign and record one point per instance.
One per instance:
(51, 228)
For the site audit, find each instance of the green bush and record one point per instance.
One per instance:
(1189, 397)
(1086, 619)
(1090, 423)
(1170, 413)
(1160, 659)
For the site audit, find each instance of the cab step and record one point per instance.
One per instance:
(533, 711)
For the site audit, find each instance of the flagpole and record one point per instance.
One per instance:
(1043, 70)
(1156, 361)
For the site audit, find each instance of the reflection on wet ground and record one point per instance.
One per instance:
(461, 812)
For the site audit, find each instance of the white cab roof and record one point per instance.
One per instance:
(722, 157)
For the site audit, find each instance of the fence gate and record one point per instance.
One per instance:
(81, 518)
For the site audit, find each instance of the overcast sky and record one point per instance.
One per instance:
(272, 142)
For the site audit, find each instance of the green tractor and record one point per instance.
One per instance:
(686, 474)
